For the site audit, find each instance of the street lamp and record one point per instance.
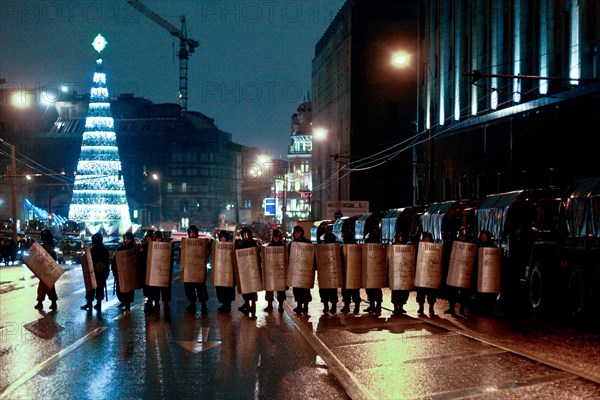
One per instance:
(401, 59)
(13, 170)
(160, 208)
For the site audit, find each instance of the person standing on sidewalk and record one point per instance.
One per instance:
(101, 261)
(43, 290)
(276, 240)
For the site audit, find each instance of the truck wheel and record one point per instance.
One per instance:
(537, 289)
(576, 293)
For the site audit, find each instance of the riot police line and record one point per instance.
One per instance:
(402, 267)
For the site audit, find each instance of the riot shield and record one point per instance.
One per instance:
(248, 269)
(402, 265)
(193, 259)
(301, 272)
(159, 266)
(429, 265)
(374, 266)
(274, 268)
(462, 259)
(329, 265)
(43, 265)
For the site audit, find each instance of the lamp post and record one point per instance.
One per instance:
(13, 174)
(401, 59)
(160, 208)
(319, 134)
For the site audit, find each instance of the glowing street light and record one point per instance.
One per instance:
(156, 177)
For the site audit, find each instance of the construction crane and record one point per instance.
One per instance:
(186, 46)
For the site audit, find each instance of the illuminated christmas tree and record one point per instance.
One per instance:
(99, 192)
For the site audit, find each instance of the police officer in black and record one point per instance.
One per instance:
(276, 240)
(101, 261)
(374, 295)
(302, 296)
(329, 295)
(195, 290)
(247, 241)
(43, 290)
(225, 294)
(350, 295)
(400, 297)
(125, 298)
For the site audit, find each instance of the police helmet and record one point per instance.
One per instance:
(97, 238)
(46, 235)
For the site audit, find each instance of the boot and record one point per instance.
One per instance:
(371, 308)
(147, 306)
(98, 305)
(346, 308)
(87, 306)
(305, 308)
(39, 306)
(333, 308)
(53, 306)
(451, 309)
(396, 311)
(203, 308)
(356, 308)
(253, 307)
(269, 306)
(298, 309)
(244, 307)
(421, 309)
(280, 308)
(431, 310)
(378, 308)
(325, 307)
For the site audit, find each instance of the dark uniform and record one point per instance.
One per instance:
(43, 290)
(374, 295)
(250, 299)
(125, 298)
(350, 295)
(400, 297)
(458, 295)
(329, 295)
(101, 262)
(225, 294)
(422, 293)
(195, 290)
(302, 296)
(276, 240)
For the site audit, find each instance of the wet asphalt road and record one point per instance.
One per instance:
(72, 354)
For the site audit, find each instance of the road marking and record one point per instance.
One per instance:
(56, 357)
(353, 387)
(200, 344)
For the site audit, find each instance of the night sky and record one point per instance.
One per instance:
(250, 72)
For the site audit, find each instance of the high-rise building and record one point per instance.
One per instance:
(99, 198)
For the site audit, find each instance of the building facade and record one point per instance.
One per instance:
(364, 105)
(510, 90)
(197, 166)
